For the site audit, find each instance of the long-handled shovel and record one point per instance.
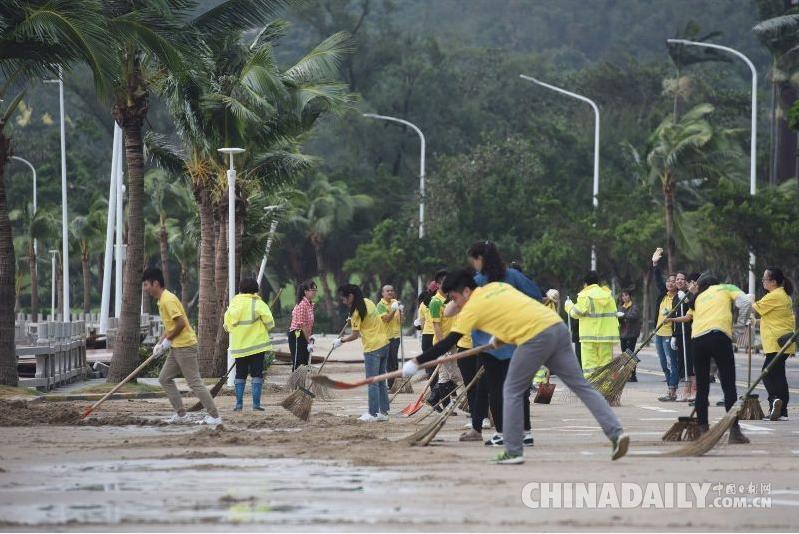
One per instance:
(414, 407)
(127, 379)
(221, 382)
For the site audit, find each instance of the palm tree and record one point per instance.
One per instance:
(42, 226)
(688, 151)
(89, 232)
(184, 250)
(36, 37)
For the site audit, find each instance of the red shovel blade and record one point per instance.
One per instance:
(411, 409)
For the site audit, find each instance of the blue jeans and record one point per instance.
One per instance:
(375, 363)
(668, 360)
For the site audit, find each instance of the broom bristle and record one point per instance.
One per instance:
(611, 378)
(299, 377)
(709, 439)
(395, 387)
(406, 387)
(691, 430)
(675, 432)
(321, 391)
(751, 410)
(299, 403)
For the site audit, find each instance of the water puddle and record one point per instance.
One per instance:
(220, 490)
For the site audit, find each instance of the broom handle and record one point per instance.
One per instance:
(749, 352)
(341, 333)
(431, 363)
(127, 379)
(402, 346)
(684, 347)
(772, 363)
(655, 331)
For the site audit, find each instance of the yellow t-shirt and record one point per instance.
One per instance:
(371, 327)
(663, 310)
(713, 310)
(424, 315)
(170, 308)
(393, 326)
(505, 313)
(436, 309)
(777, 319)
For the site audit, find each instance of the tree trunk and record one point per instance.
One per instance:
(87, 283)
(145, 308)
(184, 286)
(786, 137)
(163, 241)
(327, 299)
(130, 113)
(207, 314)
(8, 355)
(34, 281)
(671, 248)
(221, 273)
(772, 167)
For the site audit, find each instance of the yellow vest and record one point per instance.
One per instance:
(248, 320)
(596, 310)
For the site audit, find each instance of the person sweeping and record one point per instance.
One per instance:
(599, 327)
(180, 337)
(300, 334)
(368, 326)
(712, 331)
(448, 373)
(776, 319)
(248, 320)
(391, 311)
(629, 325)
(541, 338)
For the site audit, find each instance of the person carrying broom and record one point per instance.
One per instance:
(248, 320)
(776, 319)
(368, 325)
(712, 331)
(541, 338)
(301, 329)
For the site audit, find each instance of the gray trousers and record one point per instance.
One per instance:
(184, 360)
(553, 348)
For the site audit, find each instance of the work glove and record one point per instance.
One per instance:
(162, 347)
(619, 314)
(673, 343)
(395, 306)
(553, 294)
(417, 324)
(680, 295)
(310, 348)
(337, 343)
(568, 304)
(657, 255)
(409, 368)
(402, 308)
(494, 341)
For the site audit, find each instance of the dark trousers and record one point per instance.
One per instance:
(688, 357)
(468, 368)
(252, 365)
(489, 393)
(427, 342)
(628, 343)
(392, 363)
(714, 346)
(776, 383)
(298, 346)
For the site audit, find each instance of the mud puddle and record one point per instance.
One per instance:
(192, 490)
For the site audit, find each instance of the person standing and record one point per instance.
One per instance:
(712, 339)
(368, 325)
(180, 337)
(486, 260)
(423, 322)
(248, 320)
(629, 325)
(663, 329)
(300, 334)
(599, 327)
(541, 338)
(776, 319)
(682, 338)
(391, 311)
(448, 373)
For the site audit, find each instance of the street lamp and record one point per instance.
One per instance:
(421, 173)
(231, 237)
(33, 170)
(595, 196)
(64, 241)
(753, 141)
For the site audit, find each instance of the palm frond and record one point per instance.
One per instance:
(239, 15)
(322, 63)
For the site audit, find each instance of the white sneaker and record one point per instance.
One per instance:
(212, 421)
(177, 419)
(381, 417)
(367, 418)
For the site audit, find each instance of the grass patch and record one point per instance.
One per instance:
(130, 387)
(9, 391)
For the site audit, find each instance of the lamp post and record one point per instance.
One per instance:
(753, 140)
(35, 200)
(231, 237)
(53, 253)
(421, 174)
(64, 241)
(595, 195)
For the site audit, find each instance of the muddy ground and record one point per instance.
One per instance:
(124, 469)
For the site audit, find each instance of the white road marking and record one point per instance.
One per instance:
(756, 429)
(658, 409)
(586, 453)
(784, 503)
(784, 492)
(656, 419)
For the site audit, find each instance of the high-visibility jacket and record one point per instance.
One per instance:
(596, 310)
(248, 320)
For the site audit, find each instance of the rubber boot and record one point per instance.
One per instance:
(257, 387)
(239, 385)
(736, 436)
